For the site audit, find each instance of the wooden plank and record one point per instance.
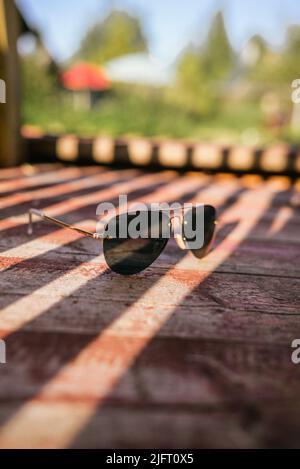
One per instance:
(245, 427)
(200, 370)
(270, 426)
(258, 301)
(110, 428)
(200, 350)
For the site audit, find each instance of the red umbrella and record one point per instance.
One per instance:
(84, 76)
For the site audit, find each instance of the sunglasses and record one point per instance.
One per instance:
(128, 254)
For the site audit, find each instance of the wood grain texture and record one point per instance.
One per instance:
(188, 353)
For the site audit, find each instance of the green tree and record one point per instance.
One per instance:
(274, 68)
(117, 35)
(201, 70)
(192, 89)
(38, 83)
(261, 63)
(290, 67)
(216, 54)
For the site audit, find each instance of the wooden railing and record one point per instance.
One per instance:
(163, 153)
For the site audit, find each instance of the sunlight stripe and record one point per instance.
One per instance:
(65, 188)
(96, 197)
(60, 174)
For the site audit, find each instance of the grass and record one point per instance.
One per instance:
(128, 112)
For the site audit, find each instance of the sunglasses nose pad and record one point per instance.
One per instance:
(177, 231)
(180, 242)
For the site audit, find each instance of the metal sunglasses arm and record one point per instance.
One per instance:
(43, 216)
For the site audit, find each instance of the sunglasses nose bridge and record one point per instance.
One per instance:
(176, 223)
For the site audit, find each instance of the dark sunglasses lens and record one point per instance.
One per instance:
(128, 256)
(191, 219)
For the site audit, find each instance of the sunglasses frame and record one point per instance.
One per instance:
(55, 221)
(96, 235)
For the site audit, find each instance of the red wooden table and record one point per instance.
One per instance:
(188, 353)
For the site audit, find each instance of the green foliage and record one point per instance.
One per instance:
(217, 55)
(200, 71)
(273, 67)
(192, 90)
(256, 60)
(290, 63)
(39, 86)
(117, 35)
(131, 110)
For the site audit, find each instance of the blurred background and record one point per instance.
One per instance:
(213, 70)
